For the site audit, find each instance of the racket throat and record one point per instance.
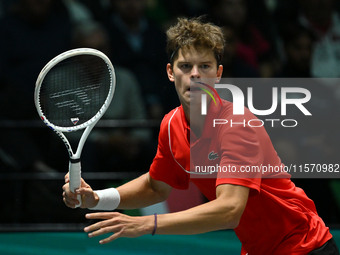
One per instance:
(74, 160)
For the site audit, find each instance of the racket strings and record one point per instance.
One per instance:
(75, 90)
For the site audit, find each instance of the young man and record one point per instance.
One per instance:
(269, 215)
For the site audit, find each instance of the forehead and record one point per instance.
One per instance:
(196, 54)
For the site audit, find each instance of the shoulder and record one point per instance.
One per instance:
(226, 114)
(171, 121)
(232, 128)
(174, 116)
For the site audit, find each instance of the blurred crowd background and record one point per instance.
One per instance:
(264, 39)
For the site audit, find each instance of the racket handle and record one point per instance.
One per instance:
(75, 177)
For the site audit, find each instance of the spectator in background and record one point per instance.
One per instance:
(121, 148)
(321, 17)
(317, 22)
(138, 45)
(311, 143)
(251, 45)
(298, 48)
(234, 66)
(78, 12)
(4, 6)
(314, 139)
(165, 13)
(99, 9)
(32, 32)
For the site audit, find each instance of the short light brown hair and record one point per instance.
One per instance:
(194, 32)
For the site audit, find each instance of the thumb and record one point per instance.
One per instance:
(67, 178)
(86, 191)
(84, 184)
(88, 197)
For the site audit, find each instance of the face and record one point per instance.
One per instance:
(190, 67)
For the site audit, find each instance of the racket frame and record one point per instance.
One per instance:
(74, 158)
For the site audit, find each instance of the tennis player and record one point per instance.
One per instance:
(269, 215)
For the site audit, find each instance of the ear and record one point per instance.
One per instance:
(219, 73)
(170, 72)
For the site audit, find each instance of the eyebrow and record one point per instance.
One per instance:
(203, 62)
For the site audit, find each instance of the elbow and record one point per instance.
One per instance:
(159, 195)
(160, 189)
(234, 223)
(232, 217)
(232, 201)
(163, 196)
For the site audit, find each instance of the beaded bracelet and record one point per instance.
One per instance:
(155, 227)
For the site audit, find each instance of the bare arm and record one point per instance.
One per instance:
(222, 213)
(140, 192)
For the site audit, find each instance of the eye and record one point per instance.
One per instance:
(205, 66)
(185, 66)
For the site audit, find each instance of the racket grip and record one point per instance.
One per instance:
(75, 177)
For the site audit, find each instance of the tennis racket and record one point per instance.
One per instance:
(72, 93)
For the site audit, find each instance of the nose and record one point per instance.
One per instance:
(195, 74)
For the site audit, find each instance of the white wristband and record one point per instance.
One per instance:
(109, 199)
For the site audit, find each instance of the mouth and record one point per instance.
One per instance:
(194, 88)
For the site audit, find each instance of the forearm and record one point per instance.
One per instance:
(204, 218)
(138, 193)
(222, 213)
(207, 217)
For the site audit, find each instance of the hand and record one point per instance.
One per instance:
(89, 198)
(120, 225)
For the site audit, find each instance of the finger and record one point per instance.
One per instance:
(66, 178)
(111, 222)
(105, 230)
(72, 206)
(70, 198)
(101, 215)
(67, 193)
(110, 238)
(87, 197)
(84, 191)
(68, 203)
(95, 226)
(84, 184)
(66, 188)
(72, 201)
